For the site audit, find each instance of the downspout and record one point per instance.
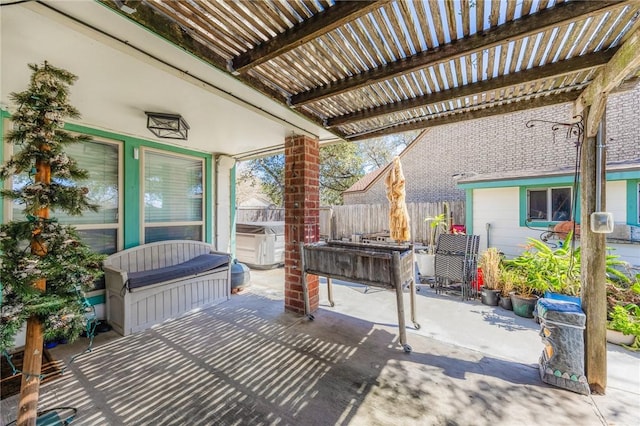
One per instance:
(488, 227)
(600, 146)
(216, 202)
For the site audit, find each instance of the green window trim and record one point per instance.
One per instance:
(523, 210)
(133, 185)
(469, 211)
(633, 201)
(131, 224)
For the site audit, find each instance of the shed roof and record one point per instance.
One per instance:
(364, 69)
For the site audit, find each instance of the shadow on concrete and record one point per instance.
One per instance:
(246, 362)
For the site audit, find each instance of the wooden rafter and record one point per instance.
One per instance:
(505, 108)
(556, 69)
(622, 65)
(563, 13)
(334, 17)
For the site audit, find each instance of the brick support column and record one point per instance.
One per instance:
(301, 217)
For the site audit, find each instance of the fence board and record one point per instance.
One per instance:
(339, 222)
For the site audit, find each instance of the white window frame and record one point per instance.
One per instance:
(8, 204)
(549, 193)
(118, 224)
(143, 223)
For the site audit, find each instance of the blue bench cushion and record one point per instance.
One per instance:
(202, 263)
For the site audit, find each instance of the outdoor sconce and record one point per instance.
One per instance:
(168, 126)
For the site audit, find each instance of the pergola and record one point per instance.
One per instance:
(363, 69)
(370, 68)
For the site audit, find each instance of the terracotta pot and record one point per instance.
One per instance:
(617, 338)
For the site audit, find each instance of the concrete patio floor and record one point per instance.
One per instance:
(246, 362)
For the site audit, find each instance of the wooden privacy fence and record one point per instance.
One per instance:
(344, 221)
(374, 218)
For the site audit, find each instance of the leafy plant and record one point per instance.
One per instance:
(437, 223)
(545, 268)
(623, 308)
(625, 319)
(509, 281)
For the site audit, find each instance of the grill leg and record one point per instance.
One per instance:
(330, 292)
(305, 288)
(412, 291)
(397, 283)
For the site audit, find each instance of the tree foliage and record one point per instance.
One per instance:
(341, 165)
(378, 152)
(268, 174)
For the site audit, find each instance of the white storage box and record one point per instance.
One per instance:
(260, 245)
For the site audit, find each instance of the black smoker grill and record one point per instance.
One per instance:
(377, 265)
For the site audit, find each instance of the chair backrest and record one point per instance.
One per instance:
(156, 255)
(456, 256)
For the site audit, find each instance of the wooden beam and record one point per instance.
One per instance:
(539, 102)
(334, 17)
(624, 62)
(559, 15)
(576, 64)
(593, 267)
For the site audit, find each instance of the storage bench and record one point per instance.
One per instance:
(151, 283)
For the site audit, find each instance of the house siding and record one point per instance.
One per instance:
(499, 144)
(499, 207)
(615, 200)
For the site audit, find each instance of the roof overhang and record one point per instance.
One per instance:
(124, 70)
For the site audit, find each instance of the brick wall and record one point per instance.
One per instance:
(301, 218)
(503, 143)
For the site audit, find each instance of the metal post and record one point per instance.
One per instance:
(305, 290)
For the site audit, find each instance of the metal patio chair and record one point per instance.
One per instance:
(456, 264)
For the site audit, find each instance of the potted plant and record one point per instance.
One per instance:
(531, 282)
(509, 280)
(623, 327)
(426, 258)
(623, 312)
(525, 296)
(490, 265)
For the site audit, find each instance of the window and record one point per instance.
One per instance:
(173, 197)
(100, 230)
(549, 204)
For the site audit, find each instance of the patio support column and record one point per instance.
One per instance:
(593, 264)
(301, 216)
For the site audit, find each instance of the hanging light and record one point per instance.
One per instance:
(168, 126)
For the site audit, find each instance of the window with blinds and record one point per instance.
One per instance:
(100, 230)
(173, 197)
